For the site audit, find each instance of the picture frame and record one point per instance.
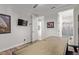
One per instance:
(50, 24)
(5, 23)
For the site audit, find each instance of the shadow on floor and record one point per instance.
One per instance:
(69, 53)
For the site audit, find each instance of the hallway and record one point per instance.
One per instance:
(45, 25)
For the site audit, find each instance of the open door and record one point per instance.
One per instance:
(40, 27)
(66, 25)
(34, 28)
(37, 27)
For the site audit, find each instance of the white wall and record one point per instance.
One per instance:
(51, 31)
(76, 13)
(54, 17)
(18, 33)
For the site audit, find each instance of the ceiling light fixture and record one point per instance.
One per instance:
(35, 5)
(53, 7)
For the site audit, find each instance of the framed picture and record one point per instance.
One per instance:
(50, 24)
(5, 23)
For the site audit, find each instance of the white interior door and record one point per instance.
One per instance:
(34, 28)
(40, 27)
(37, 28)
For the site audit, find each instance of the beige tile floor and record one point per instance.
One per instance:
(49, 46)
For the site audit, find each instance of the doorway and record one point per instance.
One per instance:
(37, 28)
(66, 25)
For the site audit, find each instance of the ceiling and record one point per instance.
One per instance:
(41, 9)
